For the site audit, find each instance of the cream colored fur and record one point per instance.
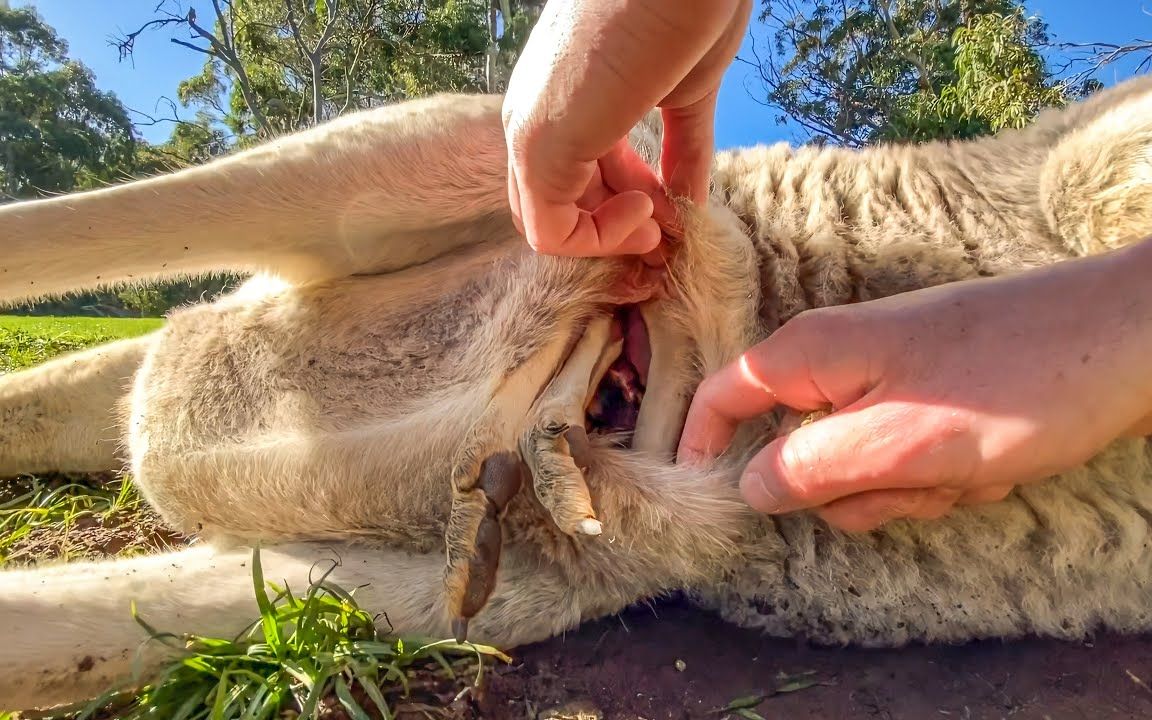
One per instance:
(398, 331)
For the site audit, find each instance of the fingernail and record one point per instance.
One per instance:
(758, 493)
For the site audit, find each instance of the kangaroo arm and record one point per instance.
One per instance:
(370, 192)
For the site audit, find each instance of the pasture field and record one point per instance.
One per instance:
(26, 341)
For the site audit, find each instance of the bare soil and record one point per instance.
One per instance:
(626, 668)
(91, 536)
(94, 538)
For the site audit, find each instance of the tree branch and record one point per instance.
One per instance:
(885, 9)
(221, 48)
(190, 46)
(352, 67)
(1101, 54)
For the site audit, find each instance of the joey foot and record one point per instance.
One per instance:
(557, 456)
(555, 445)
(489, 469)
(486, 474)
(475, 537)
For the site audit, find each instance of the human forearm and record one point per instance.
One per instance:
(948, 395)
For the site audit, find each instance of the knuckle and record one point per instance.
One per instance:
(708, 396)
(906, 443)
(706, 390)
(819, 339)
(883, 456)
(807, 325)
(884, 466)
(826, 322)
(520, 135)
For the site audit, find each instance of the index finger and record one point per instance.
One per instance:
(763, 377)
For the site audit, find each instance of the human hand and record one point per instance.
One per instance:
(589, 72)
(946, 396)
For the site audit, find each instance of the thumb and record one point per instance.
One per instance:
(862, 448)
(792, 367)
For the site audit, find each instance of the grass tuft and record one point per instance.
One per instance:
(303, 658)
(29, 506)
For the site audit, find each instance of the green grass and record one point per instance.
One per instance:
(302, 650)
(26, 341)
(304, 656)
(35, 506)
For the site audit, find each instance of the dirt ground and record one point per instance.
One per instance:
(626, 668)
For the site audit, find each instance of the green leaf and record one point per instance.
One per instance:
(797, 684)
(344, 695)
(373, 691)
(221, 696)
(745, 702)
(271, 628)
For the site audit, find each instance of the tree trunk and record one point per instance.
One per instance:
(493, 48)
(317, 96)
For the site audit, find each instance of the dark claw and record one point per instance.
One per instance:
(578, 445)
(460, 629)
(483, 565)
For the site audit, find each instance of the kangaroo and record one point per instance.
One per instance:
(483, 438)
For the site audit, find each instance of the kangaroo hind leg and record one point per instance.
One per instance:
(69, 414)
(532, 432)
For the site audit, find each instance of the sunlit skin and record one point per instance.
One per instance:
(946, 396)
(942, 397)
(589, 72)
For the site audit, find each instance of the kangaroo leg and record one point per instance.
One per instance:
(370, 192)
(555, 443)
(67, 415)
(484, 470)
(69, 635)
(666, 403)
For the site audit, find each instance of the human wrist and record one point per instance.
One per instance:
(1129, 282)
(1122, 308)
(1125, 275)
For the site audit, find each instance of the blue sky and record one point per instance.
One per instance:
(159, 65)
